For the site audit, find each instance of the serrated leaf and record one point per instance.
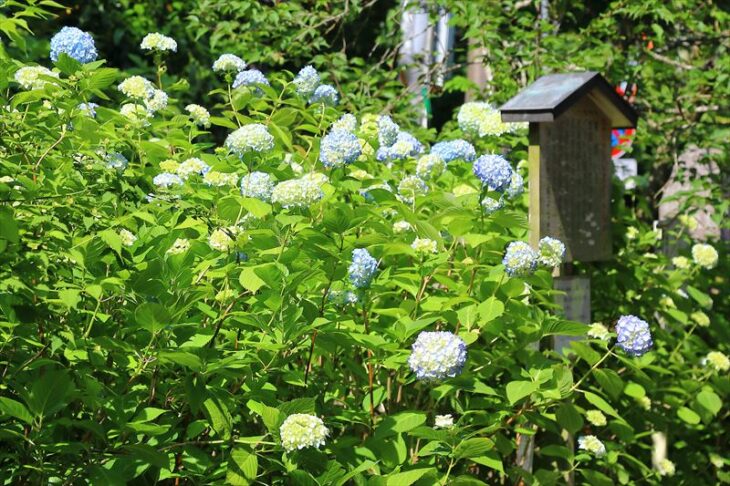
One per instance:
(218, 417)
(517, 390)
(242, 467)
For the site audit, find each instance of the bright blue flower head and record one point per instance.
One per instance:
(74, 43)
(338, 148)
(552, 251)
(454, 149)
(437, 355)
(388, 131)
(326, 94)
(491, 206)
(494, 172)
(306, 81)
(633, 335)
(516, 185)
(251, 77)
(362, 269)
(520, 259)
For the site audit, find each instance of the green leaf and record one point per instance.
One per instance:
(242, 467)
(256, 207)
(152, 316)
(490, 459)
(250, 281)
(490, 309)
(67, 65)
(569, 418)
(601, 404)
(610, 381)
(709, 401)
(218, 417)
(517, 390)
(8, 225)
(399, 423)
(70, 297)
(15, 409)
(688, 415)
(148, 455)
(50, 392)
(407, 478)
(230, 208)
(471, 448)
(584, 351)
(112, 239)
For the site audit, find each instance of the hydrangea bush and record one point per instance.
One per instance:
(322, 298)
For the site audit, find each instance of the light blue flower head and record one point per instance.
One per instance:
(88, 109)
(520, 259)
(454, 149)
(306, 81)
(253, 137)
(494, 172)
(633, 335)
(166, 180)
(552, 251)
(252, 78)
(437, 356)
(388, 131)
(74, 43)
(339, 148)
(491, 206)
(326, 94)
(516, 185)
(115, 160)
(341, 298)
(257, 185)
(362, 269)
(406, 145)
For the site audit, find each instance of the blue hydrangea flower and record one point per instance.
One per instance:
(491, 206)
(338, 148)
(306, 81)
(75, 43)
(257, 185)
(253, 137)
(520, 259)
(406, 145)
(115, 160)
(552, 251)
(326, 94)
(362, 269)
(454, 149)
(633, 335)
(341, 298)
(166, 180)
(388, 131)
(516, 185)
(252, 78)
(88, 109)
(297, 193)
(494, 172)
(437, 355)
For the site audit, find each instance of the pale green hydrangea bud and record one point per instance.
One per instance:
(704, 255)
(596, 417)
(302, 430)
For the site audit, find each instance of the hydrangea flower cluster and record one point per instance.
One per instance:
(598, 331)
(520, 259)
(156, 102)
(166, 180)
(491, 206)
(401, 226)
(704, 255)
(437, 355)
(75, 43)
(516, 185)
(29, 77)
(430, 166)
(717, 361)
(221, 240)
(199, 115)
(406, 145)
(424, 246)
(443, 422)
(88, 109)
(229, 63)
(552, 251)
(192, 166)
(157, 42)
(258, 185)
(339, 148)
(306, 81)
(137, 87)
(219, 179)
(302, 430)
(252, 78)
(681, 262)
(181, 245)
(347, 122)
(253, 137)
(592, 444)
(410, 187)
(388, 131)
(135, 113)
(115, 160)
(633, 335)
(454, 149)
(127, 237)
(596, 417)
(297, 193)
(326, 94)
(494, 172)
(700, 318)
(362, 269)
(665, 467)
(341, 298)
(481, 119)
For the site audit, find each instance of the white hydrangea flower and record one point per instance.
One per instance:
(157, 102)
(181, 245)
(135, 113)
(681, 262)
(598, 331)
(424, 246)
(443, 422)
(199, 115)
(253, 137)
(296, 193)
(401, 226)
(481, 119)
(229, 63)
(717, 361)
(137, 87)
(192, 166)
(665, 467)
(302, 430)
(596, 417)
(221, 240)
(700, 318)
(127, 237)
(704, 255)
(158, 42)
(28, 77)
(592, 444)
(644, 402)
(220, 179)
